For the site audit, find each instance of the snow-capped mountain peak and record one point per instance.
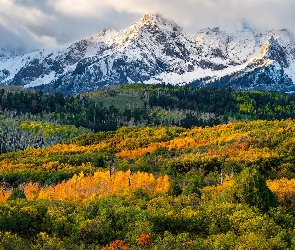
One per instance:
(156, 50)
(152, 21)
(151, 26)
(104, 36)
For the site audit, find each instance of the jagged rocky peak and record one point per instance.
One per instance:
(241, 46)
(104, 35)
(274, 51)
(209, 32)
(152, 25)
(92, 46)
(156, 20)
(212, 42)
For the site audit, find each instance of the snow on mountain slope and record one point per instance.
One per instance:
(7, 53)
(241, 46)
(270, 70)
(156, 50)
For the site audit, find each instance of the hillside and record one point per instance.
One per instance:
(151, 188)
(147, 167)
(148, 105)
(224, 148)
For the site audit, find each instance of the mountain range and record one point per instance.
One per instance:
(157, 50)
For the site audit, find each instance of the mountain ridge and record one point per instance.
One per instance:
(156, 50)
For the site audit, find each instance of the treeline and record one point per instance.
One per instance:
(149, 105)
(75, 110)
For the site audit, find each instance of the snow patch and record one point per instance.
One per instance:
(43, 80)
(290, 71)
(188, 77)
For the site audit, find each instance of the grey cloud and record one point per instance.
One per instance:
(10, 39)
(17, 37)
(62, 21)
(65, 28)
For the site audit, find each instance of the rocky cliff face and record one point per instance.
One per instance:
(156, 50)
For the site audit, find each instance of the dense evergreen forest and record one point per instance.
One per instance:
(149, 105)
(147, 167)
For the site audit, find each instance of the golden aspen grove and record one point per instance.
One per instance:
(198, 178)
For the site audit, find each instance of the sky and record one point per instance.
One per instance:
(32, 24)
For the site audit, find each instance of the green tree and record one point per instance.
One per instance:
(250, 188)
(192, 188)
(174, 189)
(17, 193)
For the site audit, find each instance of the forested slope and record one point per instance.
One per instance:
(228, 186)
(148, 105)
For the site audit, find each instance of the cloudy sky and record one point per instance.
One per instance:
(47, 23)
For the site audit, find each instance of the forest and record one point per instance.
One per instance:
(147, 167)
(147, 105)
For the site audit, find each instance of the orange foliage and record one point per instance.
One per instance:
(233, 142)
(5, 163)
(88, 188)
(31, 190)
(145, 239)
(244, 145)
(184, 142)
(175, 144)
(252, 155)
(4, 194)
(117, 245)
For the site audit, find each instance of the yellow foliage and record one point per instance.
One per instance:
(31, 190)
(284, 190)
(211, 192)
(82, 188)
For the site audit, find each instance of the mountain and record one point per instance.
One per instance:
(7, 53)
(156, 50)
